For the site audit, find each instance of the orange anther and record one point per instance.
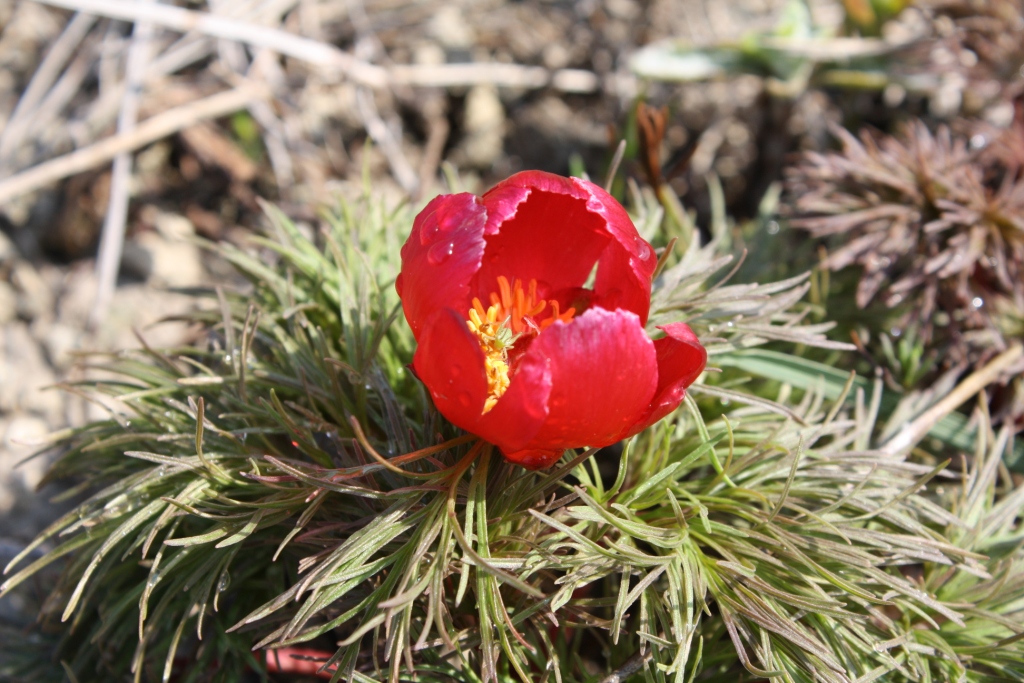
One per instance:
(479, 308)
(506, 292)
(512, 314)
(518, 307)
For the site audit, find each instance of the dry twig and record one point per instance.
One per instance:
(179, 19)
(333, 59)
(915, 431)
(149, 131)
(389, 146)
(44, 77)
(629, 667)
(437, 135)
(112, 238)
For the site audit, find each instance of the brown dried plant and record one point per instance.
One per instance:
(936, 223)
(991, 29)
(967, 54)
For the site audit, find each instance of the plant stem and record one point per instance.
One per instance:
(975, 382)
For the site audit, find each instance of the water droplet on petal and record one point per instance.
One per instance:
(895, 331)
(977, 302)
(440, 252)
(464, 399)
(434, 231)
(429, 233)
(643, 250)
(772, 227)
(448, 222)
(456, 371)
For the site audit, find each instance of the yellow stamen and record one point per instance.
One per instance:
(511, 315)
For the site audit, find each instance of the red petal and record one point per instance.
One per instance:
(450, 363)
(543, 231)
(627, 265)
(521, 411)
(603, 376)
(502, 202)
(556, 229)
(441, 257)
(681, 359)
(534, 459)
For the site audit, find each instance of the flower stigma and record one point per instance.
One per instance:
(514, 313)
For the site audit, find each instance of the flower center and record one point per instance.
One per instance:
(514, 312)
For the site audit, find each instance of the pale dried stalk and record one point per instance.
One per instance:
(914, 431)
(493, 73)
(108, 260)
(629, 667)
(44, 77)
(266, 69)
(149, 131)
(289, 44)
(386, 142)
(433, 151)
(331, 58)
(59, 96)
(187, 50)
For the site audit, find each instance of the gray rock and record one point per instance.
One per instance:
(24, 373)
(7, 249)
(450, 28)
(8, 303)
(60, 341)
(484, 127)
(22, 436)
(35, 300)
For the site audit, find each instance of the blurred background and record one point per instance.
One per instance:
(130, 131)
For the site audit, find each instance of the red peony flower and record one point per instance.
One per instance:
(513, 343)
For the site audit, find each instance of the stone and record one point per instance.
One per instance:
(450, 28)
(60, 342)
(484, 127)
(176, 261)
(22, 436)
(7, 249)
(24, 373)
(8, 303)
(35, 300)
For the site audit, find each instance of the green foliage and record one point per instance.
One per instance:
(289, 482)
